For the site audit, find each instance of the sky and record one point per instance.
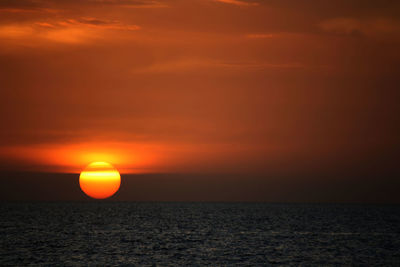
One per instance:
(260, 89)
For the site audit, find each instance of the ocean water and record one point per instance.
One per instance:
(182, 234)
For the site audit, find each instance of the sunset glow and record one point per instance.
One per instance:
(277, 90)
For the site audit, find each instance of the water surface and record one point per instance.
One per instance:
(253, 234)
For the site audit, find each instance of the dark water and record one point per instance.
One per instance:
(182, 234)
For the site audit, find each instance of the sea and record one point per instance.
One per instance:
(198, 234)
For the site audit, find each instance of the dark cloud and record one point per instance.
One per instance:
(34, 4)
(195, 187)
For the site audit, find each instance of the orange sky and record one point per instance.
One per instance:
(199, 86)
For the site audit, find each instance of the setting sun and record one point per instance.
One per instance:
(100, 180)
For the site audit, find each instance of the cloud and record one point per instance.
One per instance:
(71, 31)
(143, 4)
(48, 5)
(19, 5)
(94, 23)
(343, 26)
(260, 35)
(238, 2)
(184, 65)
(367, 27)
(32, 34)
(28, 10)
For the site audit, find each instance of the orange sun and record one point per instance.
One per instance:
(100, 180)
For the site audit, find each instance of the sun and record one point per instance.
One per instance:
(100, 180)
